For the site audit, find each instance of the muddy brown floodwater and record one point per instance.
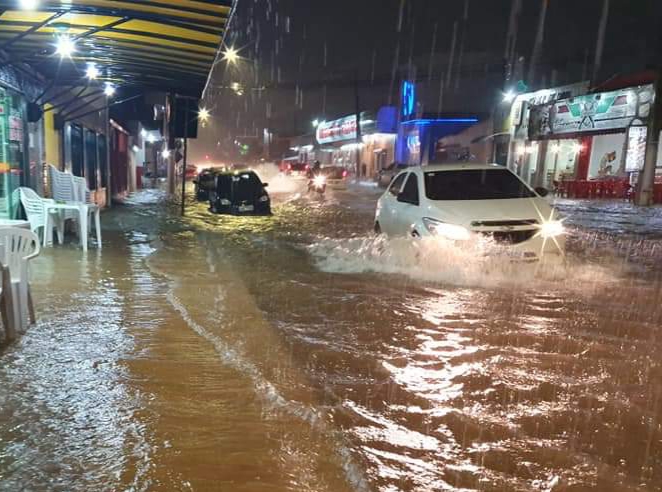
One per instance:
(300, 353)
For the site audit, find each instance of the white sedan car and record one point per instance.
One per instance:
(464, 202)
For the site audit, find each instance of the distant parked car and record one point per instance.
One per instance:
(294, 168)
(386, 175)
(240, 193)
(205, 183)
(335, 176)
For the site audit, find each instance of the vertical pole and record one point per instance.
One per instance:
(109, 200)
(600, 43)
(185, 157)
(646, 182)
(169, 162)
(357, 108)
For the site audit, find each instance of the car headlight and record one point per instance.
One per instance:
(449, 231)
(319, 181)
(264, 198)
(551, 228)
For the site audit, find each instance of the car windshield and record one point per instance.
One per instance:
(475, 184)
(246, 186)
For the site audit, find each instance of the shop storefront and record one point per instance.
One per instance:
(588, 146)
(21, 147)
(337, 142)
(524, 154)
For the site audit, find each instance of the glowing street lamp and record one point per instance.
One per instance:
(65, 46)
(165, 153)
(29, 4)
(231, 55)
(92, 71)
(109, 90)
(203, 115)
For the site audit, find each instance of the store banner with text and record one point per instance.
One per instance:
(592, 113)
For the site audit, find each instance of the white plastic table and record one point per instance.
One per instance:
(83, 210)
(21, 224)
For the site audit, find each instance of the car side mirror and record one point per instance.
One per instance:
(541, 191)
(264, 185)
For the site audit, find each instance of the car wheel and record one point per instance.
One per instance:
(378, 228)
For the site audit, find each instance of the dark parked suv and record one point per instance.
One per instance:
(240, 193)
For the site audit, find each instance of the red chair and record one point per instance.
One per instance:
(657, 193)
(582, 189)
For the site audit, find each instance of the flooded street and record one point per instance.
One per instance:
(300, 352)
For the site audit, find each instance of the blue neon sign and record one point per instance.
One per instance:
(408, 98)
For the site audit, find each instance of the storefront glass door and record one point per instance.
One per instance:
(12, 150)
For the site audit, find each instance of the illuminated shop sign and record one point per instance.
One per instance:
(340, 129)
(593, 112)
(408, 99)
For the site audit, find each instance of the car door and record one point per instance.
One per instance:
(409, 213)
(389, 204)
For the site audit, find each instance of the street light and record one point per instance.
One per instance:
(65, 46)
(231, 55)
(109, 90)
(203, 115)
(166, 153)
(29, 4)
(92, 71)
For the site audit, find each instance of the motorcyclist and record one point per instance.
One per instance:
(315, 172)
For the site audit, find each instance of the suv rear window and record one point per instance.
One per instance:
(475, 184)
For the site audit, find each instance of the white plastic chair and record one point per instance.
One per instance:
(82, 197)
(34, 208)
(7, 304)
(17, 248)
(62, 189)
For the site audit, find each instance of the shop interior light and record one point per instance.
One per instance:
(578, 148)
(555, 148)
(316, 123)
(109, 90)
(136, 148)
(143, 133)
(29, 4)
(92, 71)
(165, 153)
(65, 46)
(151, 138)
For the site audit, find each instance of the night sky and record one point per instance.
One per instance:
(300, 58)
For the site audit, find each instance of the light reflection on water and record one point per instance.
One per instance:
(215, 352)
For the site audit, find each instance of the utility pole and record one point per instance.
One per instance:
(646, 182)
(600, 43)
(537, 47)
(186, 122)
(109, 199)
(357, 109)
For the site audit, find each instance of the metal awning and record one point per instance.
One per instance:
(165, 45)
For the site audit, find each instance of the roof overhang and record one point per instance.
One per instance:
(162, 45)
